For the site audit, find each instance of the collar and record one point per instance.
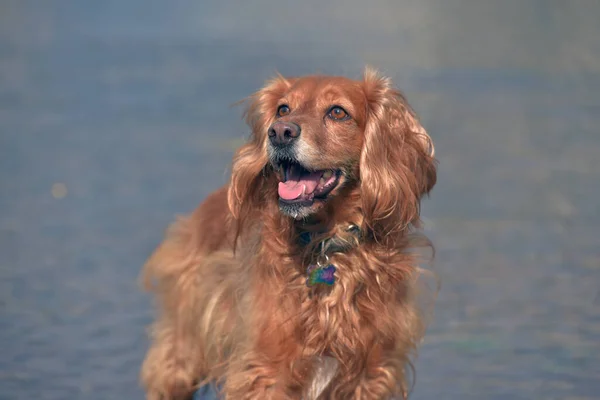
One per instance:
(333, 244)
(320, 270)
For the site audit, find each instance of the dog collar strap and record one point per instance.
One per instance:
(323, 272)
(334, 244)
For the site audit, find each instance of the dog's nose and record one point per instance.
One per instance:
(283, 133)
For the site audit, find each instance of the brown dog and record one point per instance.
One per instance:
(296, 279)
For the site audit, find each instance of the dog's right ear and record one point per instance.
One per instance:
(251, 159)
(397, 165)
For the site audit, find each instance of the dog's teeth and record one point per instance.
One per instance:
(322, 181)
(327, 174)
(303, 189)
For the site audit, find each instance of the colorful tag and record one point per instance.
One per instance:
(317, 274)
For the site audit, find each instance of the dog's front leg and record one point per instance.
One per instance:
(270, 365)
(377, 378)
(259, 378)
(382, 379)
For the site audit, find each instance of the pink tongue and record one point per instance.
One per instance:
(292, 188)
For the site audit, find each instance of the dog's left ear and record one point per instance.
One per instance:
(397, 165)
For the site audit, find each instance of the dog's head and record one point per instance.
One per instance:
(322, 141)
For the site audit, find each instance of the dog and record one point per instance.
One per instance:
(296, 280)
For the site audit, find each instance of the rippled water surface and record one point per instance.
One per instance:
(114, 117)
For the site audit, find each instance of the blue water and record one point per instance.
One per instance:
(115, 116)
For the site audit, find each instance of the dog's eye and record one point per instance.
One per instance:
(338, 113)
(283, 110)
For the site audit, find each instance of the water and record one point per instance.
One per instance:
(115, 116)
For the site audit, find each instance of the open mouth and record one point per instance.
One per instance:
(301, 186)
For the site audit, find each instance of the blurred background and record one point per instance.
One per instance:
(115, 116)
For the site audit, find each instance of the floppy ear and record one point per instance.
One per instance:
(397, 165)
(248, 171)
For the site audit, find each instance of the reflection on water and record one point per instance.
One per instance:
(114, 117)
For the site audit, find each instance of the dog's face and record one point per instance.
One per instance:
(319, 134)
(314, 141)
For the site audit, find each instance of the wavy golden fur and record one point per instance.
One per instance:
(233, 306)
